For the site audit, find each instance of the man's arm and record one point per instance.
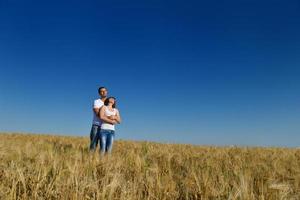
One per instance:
(96, 110)
(96, 107)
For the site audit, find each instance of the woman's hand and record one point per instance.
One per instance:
(105, 118)
(118, 117)
(113, 118)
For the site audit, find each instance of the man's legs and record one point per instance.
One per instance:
(93, 137)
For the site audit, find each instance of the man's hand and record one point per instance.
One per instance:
(114, 122)
(112, 117)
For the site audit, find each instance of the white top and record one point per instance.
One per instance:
(107, 113)
(98, 103)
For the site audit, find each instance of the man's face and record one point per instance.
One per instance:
(103, 92)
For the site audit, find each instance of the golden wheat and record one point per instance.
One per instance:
(57, 167)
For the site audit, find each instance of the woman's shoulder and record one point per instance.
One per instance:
(104, 107)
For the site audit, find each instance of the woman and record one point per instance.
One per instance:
(109, 116)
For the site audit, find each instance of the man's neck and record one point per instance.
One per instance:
(103, 98)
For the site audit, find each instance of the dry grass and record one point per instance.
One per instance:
(55, 167)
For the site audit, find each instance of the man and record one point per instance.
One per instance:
(98, 103)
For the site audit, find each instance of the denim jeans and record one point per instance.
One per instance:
(106, 138)
(94, 137)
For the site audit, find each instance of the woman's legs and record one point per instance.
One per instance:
(106, 140)
(103, 136)
(110, 141)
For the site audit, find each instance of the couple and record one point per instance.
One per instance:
(105, 117)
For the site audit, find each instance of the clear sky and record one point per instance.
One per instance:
(199, 72)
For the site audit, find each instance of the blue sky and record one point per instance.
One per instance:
(208, 73)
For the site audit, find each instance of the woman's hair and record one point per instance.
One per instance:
(107, 101)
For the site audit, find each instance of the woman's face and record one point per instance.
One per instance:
(111, 101)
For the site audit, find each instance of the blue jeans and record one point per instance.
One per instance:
(106, 138)
(93, 137)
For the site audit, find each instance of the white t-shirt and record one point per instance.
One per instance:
(98, 103)
(107, 112)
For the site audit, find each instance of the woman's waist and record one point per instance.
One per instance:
(107, 131)
(107, 126)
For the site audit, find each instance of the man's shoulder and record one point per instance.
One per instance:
(98, 102)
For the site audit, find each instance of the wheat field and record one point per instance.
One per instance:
(61, 167)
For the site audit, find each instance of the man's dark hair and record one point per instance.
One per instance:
(107, 101)
(100, 89)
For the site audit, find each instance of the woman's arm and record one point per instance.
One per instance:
(118, 117)
(103, 117)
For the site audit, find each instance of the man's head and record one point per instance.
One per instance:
(102, 92)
